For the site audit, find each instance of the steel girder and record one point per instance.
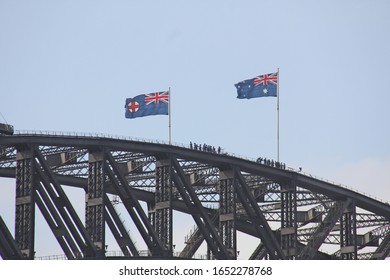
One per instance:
(186, 183)
(289, 222)
(95, 217)
(256, 216)
(200, 216)
(383, 250)
(121, 235)
(132, 205)
(259, 253)
(163, 217)
(348, 244)
(8, 248)
(60, 214)
(227, 211)
(322, 231)
(25, 201)
(195, 239)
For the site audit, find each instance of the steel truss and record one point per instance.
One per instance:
(292, 215)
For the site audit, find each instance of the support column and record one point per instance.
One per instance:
(25, 202)
(348, 248)
(288, 232)
(162, 221)
(94, 212)
(227, 212)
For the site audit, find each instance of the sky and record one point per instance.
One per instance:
(70, 65)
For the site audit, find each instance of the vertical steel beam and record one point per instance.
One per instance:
(227, 211)
(288, 231)
(152, 213)
(348, 243)
(193, 241)
(25, 202)
(163, 210)
(95, 209)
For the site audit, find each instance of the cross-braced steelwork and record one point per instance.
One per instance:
(144, 189)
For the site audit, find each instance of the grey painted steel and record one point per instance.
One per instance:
(173, 177)
(289, 220)
(122, 236)
(135, 210)
(56, 205)
(8, 247)
(227, 211)
(322, 231)
(25, 202)
(259, 222)
(201, 217)
(95, 217)
(333, 191)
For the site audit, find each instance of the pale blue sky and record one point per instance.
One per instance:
(70, 65)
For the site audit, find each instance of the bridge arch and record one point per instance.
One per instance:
(292, 215)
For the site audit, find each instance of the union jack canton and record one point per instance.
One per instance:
(156, 103)
(260, 86)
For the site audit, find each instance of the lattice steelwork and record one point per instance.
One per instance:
(25, 202)
(94, 212)
(288, 231)
(348, 236)
(227, 211)
(162, 220)
(136, 188)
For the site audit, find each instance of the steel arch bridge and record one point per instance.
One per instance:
(292, 215)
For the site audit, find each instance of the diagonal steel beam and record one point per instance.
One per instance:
(56, 224)
(260, 223)
(323, 230)
(193, 244)
(383, 251)
(8, 248)
(259, 253)
(117, 228)
(64, 207)
(133, 207)
(199, 214)
(196, 239)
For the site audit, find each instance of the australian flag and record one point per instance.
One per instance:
(147, 104)
(260, 86)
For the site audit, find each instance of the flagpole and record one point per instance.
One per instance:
(169, 116)
(277, 109)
